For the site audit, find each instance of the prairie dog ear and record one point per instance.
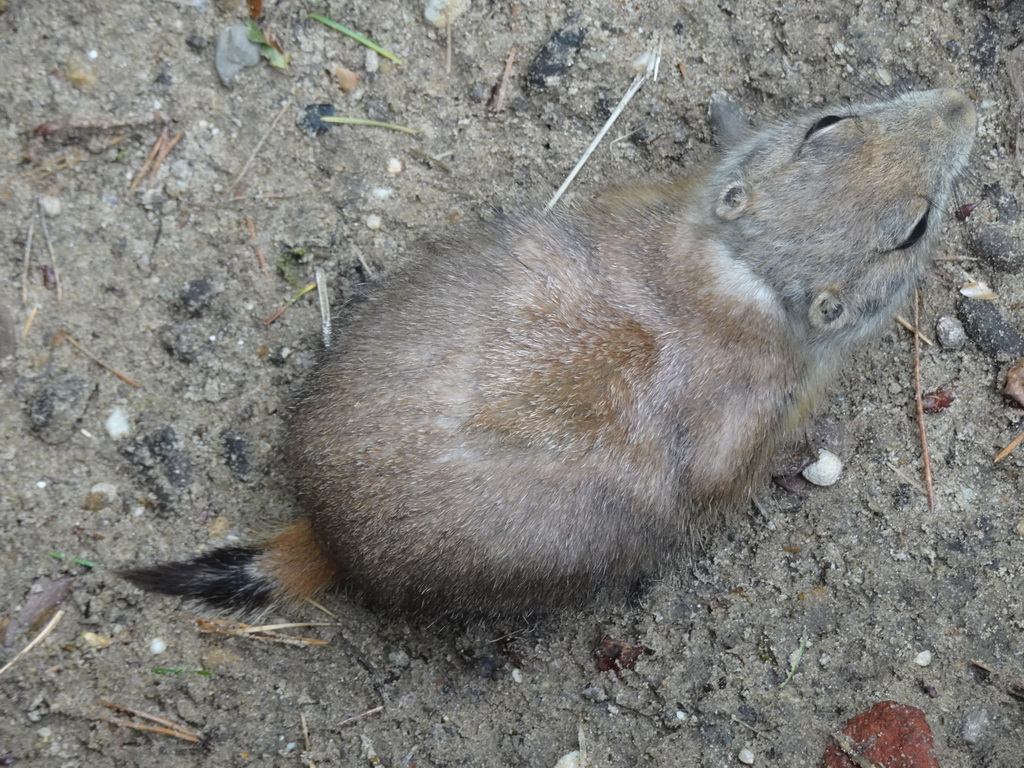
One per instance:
(828, 311)
(733, 200)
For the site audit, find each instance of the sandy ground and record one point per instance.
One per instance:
(163, 282)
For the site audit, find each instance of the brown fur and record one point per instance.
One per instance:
(553, 404)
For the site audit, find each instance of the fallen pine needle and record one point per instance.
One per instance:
(371, 123)
(292, 300)
(919, 403)
(163, 725)
(183, 735)
(1010, 448)
(144, 170)
(907, 324)
(256, 150)
(29, 320)
(358, 37)
(123, 377)
(638, 81)
(43, 633)
(264, 633)
(360, 716)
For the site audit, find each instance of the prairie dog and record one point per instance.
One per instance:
(554, 403)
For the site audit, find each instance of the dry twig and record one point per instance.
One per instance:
(123, 377)
(27, 258)
(1010, 448)
(906, 324)
(360, 716)
(43, 634)
(53, 255)
(256, 150)
(264, 632)
(163, 725)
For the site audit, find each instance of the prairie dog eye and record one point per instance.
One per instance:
(917, 232)
(826, 122)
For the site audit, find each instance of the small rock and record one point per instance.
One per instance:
(950, 332)
(157, 645)
(197, 296)
(826, 470)
(235, 51)
(555, 58)
(570, 760)
(372, 61)
(441, 13)
(923, 659)
(311, 118)
(52, 206)
(399, 658)
(517, 675)
(746, 757)
(236, 454)
(395, 166)
(974, 725)
(59, 405)
(373, 221)
(891, 734)
(986, 327)
(997, 247)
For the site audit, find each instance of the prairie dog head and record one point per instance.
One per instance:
(838, 210)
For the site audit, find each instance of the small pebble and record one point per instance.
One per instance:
(51, 206)
(517, 675)
(157, 645)
(923, 659)
(950, 332)
(395, 166)
(373, 221)
(441, 13)
(571, 760)
(117, 425)
(1019, 528)
(372, 61)
(95, 641)
(746, 757)
(826, 470)
(399, 658)
(974, 725)
(555, 57)
(235, 51)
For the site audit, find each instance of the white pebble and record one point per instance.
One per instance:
(373, 221)
(951, 333)
(382, 193)
(517, 675)
(826, 470)
(441, 13)
(117, 425)
(571, 760)
(974, 725)
(157, 645)
(746, 757)
(923, 659)
(372, 61)
(51, 206)
(395, 166)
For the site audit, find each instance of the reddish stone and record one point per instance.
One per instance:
(889, 734)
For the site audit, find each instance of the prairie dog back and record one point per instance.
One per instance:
(555, 403)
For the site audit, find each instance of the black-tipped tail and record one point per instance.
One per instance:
(227, 578)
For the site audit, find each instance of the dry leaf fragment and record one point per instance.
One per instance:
(1015, 383)
(978, 290)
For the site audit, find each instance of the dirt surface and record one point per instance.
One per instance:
(163, 282)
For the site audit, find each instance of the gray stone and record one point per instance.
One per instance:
(235, 51)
